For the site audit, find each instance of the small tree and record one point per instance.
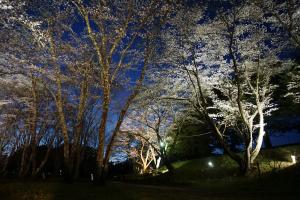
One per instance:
(150, 122)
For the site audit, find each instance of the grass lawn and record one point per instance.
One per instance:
(225, 168)
(124, 191)
(277, 185)
(193, 179)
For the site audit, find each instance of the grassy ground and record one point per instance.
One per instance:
(225, 168)
(279, 185)
(265, 189)
(193, 179)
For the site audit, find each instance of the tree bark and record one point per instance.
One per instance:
(61, 115)
(261, 133)
(102, 129)
(33, 143)
(79, 125)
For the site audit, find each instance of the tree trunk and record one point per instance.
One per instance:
(4, 166)
(239, 160)
(8, 158)
(261, 133)
(168, 165)
(33, 125)
(79, 124)
(44, 161)
(100, 152)
(64, 129)
(77, 164)
(59, 106)
(23, 161)
(247, 159)
(103, 123)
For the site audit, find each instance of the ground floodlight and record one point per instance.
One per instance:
(210, 164)
(162, 144)
(92, 177)
(293, 159)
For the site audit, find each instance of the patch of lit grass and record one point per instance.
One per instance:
(224, 167)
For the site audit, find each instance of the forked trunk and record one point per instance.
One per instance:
(260, 137)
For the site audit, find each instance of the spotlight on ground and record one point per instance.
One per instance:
(162, 144)
(210, 164)
(293, 159)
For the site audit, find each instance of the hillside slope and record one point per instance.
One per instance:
(222, 166)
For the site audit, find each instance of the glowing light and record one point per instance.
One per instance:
(164, 171)
(210, 164)
(92, 177)
(162, 144)
(293, 159)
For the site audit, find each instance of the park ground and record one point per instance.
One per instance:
(193, 179)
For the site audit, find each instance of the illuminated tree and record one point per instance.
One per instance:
(223, 69)
(65, 60)
(119, 26)
(43, 52)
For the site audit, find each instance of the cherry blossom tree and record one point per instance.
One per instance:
(223, 69)
(64, 59)
(139, 147)
(119, 26)
(43, 52)
(150, 120)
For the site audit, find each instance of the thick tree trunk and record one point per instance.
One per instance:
(247, 158)
(79, 125)
(261, 133)
(33, 125)
(243, 168)
(102, 131)
(101, 165)
(64, 129)
(168, 165)
(100, 152)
